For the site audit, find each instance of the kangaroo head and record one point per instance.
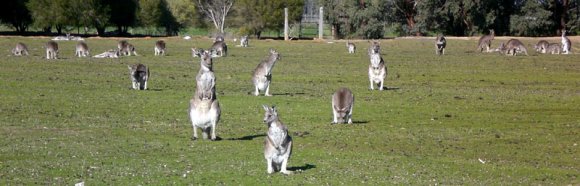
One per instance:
(274, 54)
(206, 59)
(270, 115)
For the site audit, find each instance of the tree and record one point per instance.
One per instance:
(216, 11)
(185, 13)
(532, 19)
(155, 13)
(16, 14)
(258, 16)
(90, 13)
(123, 14)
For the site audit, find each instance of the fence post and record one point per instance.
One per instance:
(285, 24)
(320, 23)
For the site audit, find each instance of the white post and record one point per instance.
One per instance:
(320, 23)
(285, 24)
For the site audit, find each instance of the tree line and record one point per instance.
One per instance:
(346, 18)
(370, 18)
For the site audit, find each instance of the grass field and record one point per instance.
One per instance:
(461, 119)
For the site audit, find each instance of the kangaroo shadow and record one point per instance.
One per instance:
(289, 94)
(392, 88)
(360, 122)
(250, 137)
(155, 89)
(302, 168)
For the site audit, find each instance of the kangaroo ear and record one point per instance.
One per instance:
(129, 66)
(266, 108)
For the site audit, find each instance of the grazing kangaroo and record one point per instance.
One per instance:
(159, 48)
(566, 44)
(109, 54)
(377, 71)
(219, 47)
(82, 49)
(51, 50)
(126, 48)
(244, 41)
(350, 47)
(554, 48)
(278, 144)
(541, 46)
(204, 108)
(20, 49)
(440, 44)
(262, 76)
(139, 74)
(485, 41)
(515, 46)
(374, 48)
(342, 104)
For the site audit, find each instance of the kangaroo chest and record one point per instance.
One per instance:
(277, 134)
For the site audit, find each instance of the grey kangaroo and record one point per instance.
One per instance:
(485, 41)
(51, 50)
(262, 76)
(278, 144)
(342, 104)
(204, 108)
(20, 49)
(139, 74)
(440, 44)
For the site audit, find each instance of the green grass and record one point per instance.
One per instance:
(72, 120)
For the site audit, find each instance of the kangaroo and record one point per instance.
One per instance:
(196, 52)
(566, 44)
(440, 44)
(350, 47)
(377, 71)
(514, 46)
(82, 49)
(126, 48)
(139, 74)
(244, 41)
(262, 76)
(204, 108)
(541, 46)
(219, 47)
(278, 144)
(501, 48)
(342, 104)
(109, 54)
(159, 48)
(20, 49)
(485, 41)
(51, 50)
(374, 48)
(554, 48)
(219, 38)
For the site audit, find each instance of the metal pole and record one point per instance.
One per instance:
(320, 23)
(286, 24)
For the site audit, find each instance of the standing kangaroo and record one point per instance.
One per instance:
(440, 44)
(20, 49)
(278, 144)
(374, 48)
(515, 46)
(82, 49)
(350, 47)
(377, 71)
(244, 41)
(566, 44)
(219, 48)
(485, 41)
(204, 108)
(139, 74)
(541, 46)
(342, 104)
(159, 48)
(51, 50)
(262, 76)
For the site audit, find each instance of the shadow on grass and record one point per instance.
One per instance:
(360, 122)
(302, 168)
(289, 94)
(251, 137)
(392, 88)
